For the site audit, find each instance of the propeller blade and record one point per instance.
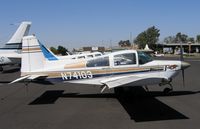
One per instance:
(181, 52)
(182, 59)
(184, 65)
(183, 76)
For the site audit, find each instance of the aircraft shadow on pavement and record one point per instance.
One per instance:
(42, 82)
(5, 82)
(48, 97)
(141, 107)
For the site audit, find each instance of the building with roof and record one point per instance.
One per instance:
(187, 47)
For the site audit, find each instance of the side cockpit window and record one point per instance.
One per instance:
(99, 62)
(144, 58)
(81, 57)
(96, 55)
(125, 59)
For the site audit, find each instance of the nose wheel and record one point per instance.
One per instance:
(168, 89)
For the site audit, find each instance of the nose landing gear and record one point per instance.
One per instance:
(167, 89)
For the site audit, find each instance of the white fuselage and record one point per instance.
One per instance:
(8, 56)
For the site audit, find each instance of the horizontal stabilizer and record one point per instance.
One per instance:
(20, 79)
(28, 77)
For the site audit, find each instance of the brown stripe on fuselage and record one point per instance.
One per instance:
(76, 65)
(97, 71)
(116, 70)
(30, 49)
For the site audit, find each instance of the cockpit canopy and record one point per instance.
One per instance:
(122, 58)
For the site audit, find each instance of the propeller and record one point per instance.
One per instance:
(182, 59)
(181, 52)
(183, 76)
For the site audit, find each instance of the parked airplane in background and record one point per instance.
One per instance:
(52, 56)
(115, 70)
(10, 54)
(81, 56)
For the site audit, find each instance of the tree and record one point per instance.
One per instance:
(191, 39)
(198, 39)
(62, 50)
(150, 37)
(169, 39)
(124, 43)
(181, 38)
(54, 50)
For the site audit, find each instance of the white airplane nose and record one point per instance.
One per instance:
(184, 65)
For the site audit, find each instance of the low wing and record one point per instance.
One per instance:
(119, 81)
(112, 82)
(28, 77)
(131, 80)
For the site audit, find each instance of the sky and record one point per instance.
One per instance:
(78, 23)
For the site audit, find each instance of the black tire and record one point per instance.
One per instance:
(167, 91)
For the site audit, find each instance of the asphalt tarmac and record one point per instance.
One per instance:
(69, 106)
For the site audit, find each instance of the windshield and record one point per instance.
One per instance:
(144, 58)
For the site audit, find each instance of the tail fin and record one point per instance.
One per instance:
(22, 31)
(34, 55)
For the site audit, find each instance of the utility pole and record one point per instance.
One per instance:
(131, 39)
(111, 44)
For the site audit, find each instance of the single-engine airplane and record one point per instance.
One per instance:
(10, 54)
(115, 70)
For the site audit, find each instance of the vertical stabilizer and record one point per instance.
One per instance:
(32, 57)
(22, 31)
